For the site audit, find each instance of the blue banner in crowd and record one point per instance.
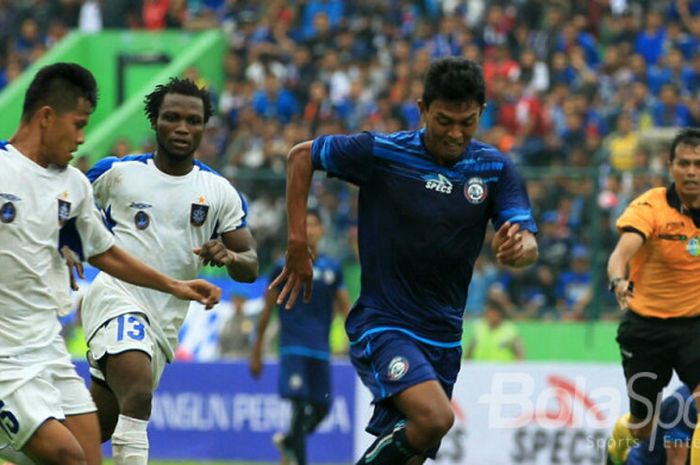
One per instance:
(217, 411)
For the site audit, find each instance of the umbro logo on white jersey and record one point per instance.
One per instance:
(438, 183)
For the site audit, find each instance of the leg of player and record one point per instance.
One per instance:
(107, 408)
(695, 441)
(86, 430)
(429, 417)
(295, 441)
(129, 376)
(54, 444)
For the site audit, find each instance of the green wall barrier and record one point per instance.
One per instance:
(565, 341)
(100, 53)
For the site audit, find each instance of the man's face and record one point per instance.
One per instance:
(314, 230)
(64, 132)
(685, 170)
(180, 125)
(449, 127)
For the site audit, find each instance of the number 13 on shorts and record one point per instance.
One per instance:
(131, 327)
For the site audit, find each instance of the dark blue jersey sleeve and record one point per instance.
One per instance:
(345, 157)
(511, 201)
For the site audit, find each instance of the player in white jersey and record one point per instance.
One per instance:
(161, 206)
(45, 409)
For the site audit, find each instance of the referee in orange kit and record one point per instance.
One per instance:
(654, 273)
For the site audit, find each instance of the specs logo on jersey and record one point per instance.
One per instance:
(198, 214)
(398, 367)
(475, 190)
(63, 211)
(693, 246)
(438, 183)
(8, 211)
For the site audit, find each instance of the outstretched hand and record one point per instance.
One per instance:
(200, 290)
(215, 253)
(507, 244)
(297, 274)
(74, 266)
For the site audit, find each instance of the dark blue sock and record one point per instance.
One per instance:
(391, 449)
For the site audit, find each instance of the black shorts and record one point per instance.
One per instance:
(652, 349)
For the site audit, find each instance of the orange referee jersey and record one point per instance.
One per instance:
(666, 269)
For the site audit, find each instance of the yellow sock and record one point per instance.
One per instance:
(621, 441)
(695, 447)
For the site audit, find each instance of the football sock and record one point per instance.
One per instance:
(621, 441)
(695, 447)
(13, 455)
(313, 416)
(295, 440)
(130, 442)
(392, 449)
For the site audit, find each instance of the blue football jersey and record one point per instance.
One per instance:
(421, 227)
(304, 329)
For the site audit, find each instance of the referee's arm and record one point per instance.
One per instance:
(618, 264)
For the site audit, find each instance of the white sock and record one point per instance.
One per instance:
(130, 442)
(14, 456)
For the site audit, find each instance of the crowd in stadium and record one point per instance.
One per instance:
(582, 95)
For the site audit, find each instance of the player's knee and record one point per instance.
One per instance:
(136, 402)
(434, 424)
(67, 455)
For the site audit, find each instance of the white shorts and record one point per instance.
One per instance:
(129, 331)
(54, 391)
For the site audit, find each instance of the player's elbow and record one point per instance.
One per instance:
(300, 150)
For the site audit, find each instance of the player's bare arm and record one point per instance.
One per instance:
(75, 266)
(618, 263)
(122, 265)
(342, 303)
(513, 247)
(298, 268)
(256, 352)
(235, 251)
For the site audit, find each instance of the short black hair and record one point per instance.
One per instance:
(59, 86)
(175, 85)
(315, 213)
(454, 79)
(686, 136)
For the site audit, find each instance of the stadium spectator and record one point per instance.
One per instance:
(159, 206)
(405, 289)
(494, 338)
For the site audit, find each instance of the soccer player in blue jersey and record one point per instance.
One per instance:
(178, 215)
(425, 200)
(669, 444)
(304, 346)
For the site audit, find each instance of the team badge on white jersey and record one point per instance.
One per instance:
(475, 190)
(198, 214)
(141, 218)
(63, 211)
(8, 211)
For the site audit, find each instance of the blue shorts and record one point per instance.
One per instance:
(305, 378)
(390, 362)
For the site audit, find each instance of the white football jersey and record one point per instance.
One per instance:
(35, 202)
(159, 218)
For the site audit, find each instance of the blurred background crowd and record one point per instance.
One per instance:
(584, 96)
